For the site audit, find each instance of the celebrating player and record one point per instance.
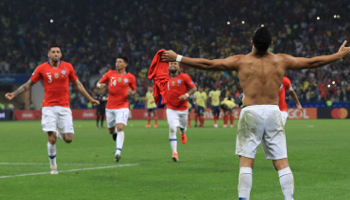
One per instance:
(101, 109)
(199, 99)
(260, 73)
(214, 97)
(56, 118)
(227, 105)
(180, 87)
(120, 85)
(151, 108)
(286, 85)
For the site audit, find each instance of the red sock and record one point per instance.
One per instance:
(215, 119)
(155, 120)
(232, 119)
(202, 120)
(195, 120)
(189, 120)
(225, 119)
(148, 120)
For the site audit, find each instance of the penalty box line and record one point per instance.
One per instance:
(70, 170)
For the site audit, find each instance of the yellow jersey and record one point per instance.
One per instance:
(150, 100)
(215, 97)
(189, 105)
(200, 98)
(229, 103)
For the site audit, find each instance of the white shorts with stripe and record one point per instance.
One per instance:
(117, 116)
(54, 117)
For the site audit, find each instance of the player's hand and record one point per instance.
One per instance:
(130, 92)
(300, 108)
(344, 51)
(94, 102)
(183, 97)
(168, 56)
(102, 85)
(9, 96)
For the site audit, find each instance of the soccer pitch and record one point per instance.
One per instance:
(207, 169)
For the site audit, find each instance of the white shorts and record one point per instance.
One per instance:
(261, 124)
(117, 116)
(54, 117)
(284, 117)
(177, 118)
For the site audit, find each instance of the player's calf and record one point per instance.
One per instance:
(67, 137)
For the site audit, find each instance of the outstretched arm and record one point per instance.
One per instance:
(298, 63)
(20, 90)
(228, 64)
(80, 88)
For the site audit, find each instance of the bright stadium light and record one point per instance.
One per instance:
(228, 22)
(262, 25)
(51, 20)
(338, 16)
(318, 18)
(329, 86)
(243, 22)
(333, 82)
(335, 16)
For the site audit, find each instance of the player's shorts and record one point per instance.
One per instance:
(117, 116)
(284, 117)
(261, 124)
(151, 109)
(54, 117)
(177, 118)
(101, 111)
(200, 110)
(215, 110)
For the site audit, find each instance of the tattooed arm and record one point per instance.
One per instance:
(20, 90)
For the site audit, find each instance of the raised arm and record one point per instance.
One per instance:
(80, 88)
(228, 64)
(298, 63)
(20, 90)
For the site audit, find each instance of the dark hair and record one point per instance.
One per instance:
(262, 39)
(124, 58)
(52, 46)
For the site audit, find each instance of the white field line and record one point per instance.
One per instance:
(4, 163)
(70, 170)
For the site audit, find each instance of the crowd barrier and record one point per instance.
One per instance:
(88, 114)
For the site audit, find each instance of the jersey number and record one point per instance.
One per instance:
(113, 82)
(50, 80)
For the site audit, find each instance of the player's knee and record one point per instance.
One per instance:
(120, 127)
(52, 137)
(68, 137)
(172, 130)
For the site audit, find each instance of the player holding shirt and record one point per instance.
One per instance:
(286, 85)
(117, 109)
(199, 98)
(177, 109)
(56, 114)
(214, 96)
(151, 108)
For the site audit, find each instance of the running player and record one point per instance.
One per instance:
(56, 118)
(228, 105)
(286, 85)
(214, 97)
(180, 87)
(121, 84)
(151, 108)
(101, 109)
(260, 73)
(199, 100)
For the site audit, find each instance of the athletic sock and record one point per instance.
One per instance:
(97, 120)
(195, 120)
(201, 119)
(172, 139)
(215, 120)
(148, 120)
(225, 119)
(119, 141)
(245, 182)
(102, 119)
(189, 120)
(155, 120)
(51, 149)
(232, 119)
(287, 183)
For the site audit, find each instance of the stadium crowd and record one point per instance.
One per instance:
(92, 34)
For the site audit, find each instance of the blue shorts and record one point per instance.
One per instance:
(200, 110)
(151, 109)
(215, 110)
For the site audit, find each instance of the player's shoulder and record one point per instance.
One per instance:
(66, 64)
(42, 66)
(130, 75)
(286, 80)
(184, 75)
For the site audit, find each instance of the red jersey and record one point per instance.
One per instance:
(56, 82)
(118, 87)
(286, 85)
(176, 87)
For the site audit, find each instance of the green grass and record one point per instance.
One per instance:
(207, 169)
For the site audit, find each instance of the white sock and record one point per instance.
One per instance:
(119, 141)
(245, 182)
(172, 138)
(287, 183)
(51, 149)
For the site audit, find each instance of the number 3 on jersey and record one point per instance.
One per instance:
(49, 77)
